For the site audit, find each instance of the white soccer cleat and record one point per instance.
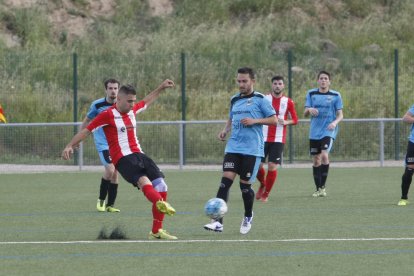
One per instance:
(246, 225)
(322, 192)
(316, 193)
(214, 225)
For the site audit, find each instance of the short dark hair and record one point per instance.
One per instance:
(277, 78)
(111, 81)
(246, 70)
(325, 73)
(127, 89)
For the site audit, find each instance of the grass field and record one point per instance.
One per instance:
(49, 226)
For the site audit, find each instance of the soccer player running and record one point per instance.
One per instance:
(275, 137)
(109, 181)
(324, 106)
(409, 159)
(249, 110)
(119, 124)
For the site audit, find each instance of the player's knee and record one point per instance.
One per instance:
(160, 185)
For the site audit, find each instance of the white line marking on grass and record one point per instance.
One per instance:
(203, 241)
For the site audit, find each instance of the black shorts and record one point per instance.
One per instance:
(409, 157)
(274, 152)
(317, 146)
(244, 165)
(136, 165)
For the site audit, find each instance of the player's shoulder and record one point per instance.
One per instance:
(258, 94)
(334, 92)
(313, 91)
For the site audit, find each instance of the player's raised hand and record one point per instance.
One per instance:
(167, 84)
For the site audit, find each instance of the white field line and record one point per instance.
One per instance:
(206, 241)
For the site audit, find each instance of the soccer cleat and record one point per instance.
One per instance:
(100, 205)
(316, 193)
(403, 202)
(111, 209)
(246, 225)
(165, 208)
(260, 191)
(161, 235)
(214, 225)
(322, 192)
(264, 198)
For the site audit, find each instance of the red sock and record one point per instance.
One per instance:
(157, 216)
(151, 194)
(270, 180)
(261, 176)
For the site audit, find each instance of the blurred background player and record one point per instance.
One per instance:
(244, 149)
(275, 137)
(409, 159)
(109, 181)
(324, 106)
(119, 124)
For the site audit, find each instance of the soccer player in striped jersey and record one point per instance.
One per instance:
(409, 159)
(249, 110)
(119, 125)
(324, 106)
(109, 181)
(275, 137)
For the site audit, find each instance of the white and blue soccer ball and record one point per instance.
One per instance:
(215, 208)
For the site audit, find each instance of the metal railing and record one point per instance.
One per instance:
(195, 142)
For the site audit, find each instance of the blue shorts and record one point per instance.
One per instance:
(105, 157)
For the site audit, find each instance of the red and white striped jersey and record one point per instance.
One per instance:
(284, 108)
(120, 130)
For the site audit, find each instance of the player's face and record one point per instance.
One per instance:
(245, 84)
(112, 91)
(324, 82)
(278, 86)
(124, 103)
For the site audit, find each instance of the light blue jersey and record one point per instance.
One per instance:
(327, 104)
(411, 137)
(97, 107)
(248, 139)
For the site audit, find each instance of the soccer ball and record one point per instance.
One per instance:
(215, 208)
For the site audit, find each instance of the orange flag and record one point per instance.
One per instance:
(2, 117)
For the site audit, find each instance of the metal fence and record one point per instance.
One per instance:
(195, 142)
(60, 87)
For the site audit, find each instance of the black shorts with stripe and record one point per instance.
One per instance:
(133, 166)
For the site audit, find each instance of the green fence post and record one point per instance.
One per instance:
(396, 115)
(75, 100)
(290, 129)
(183, 100)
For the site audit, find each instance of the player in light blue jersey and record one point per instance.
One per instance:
(249, 111)
(325, 108)
(109, 181)
(409, 159)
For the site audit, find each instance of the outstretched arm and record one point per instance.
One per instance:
(79, 137)
(151, 97)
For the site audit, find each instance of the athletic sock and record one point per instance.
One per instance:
(157, 216)
(261, 176)
(223, 191)
(270, 181)
(248, 199)
(406, 182)
(151, 194)
(103, 190)
(112, 192)
(317, 176)
(324, 174)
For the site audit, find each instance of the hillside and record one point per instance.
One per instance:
(69, 24)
